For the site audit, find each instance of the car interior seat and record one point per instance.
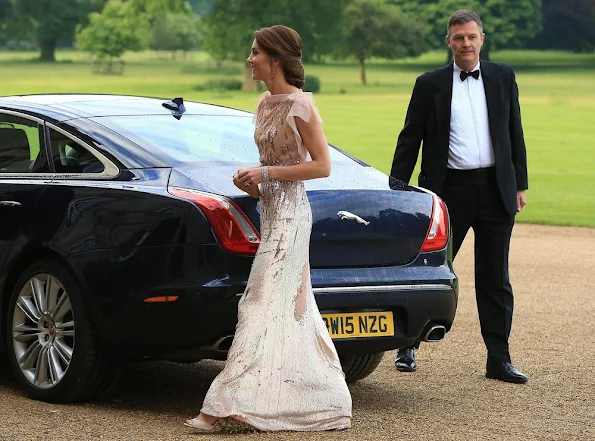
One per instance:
(87, 162)
(15, 152)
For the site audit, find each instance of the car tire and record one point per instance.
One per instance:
(359, 366)
(52, 347)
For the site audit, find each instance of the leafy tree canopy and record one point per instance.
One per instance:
(54, 20)
(118, 28)
(177, 32)
(372, 30)
(231, 24)
(201, 7)
(13, 26)
(568, 24)
(154, 10)
(508, 24)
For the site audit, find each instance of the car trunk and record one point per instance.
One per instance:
(353, 228)
(372, 225)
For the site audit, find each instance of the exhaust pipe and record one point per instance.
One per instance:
(217, 351)
(225, 343)
(434, 333)
(220, 345)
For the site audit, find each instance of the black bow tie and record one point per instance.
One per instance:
(474, 74)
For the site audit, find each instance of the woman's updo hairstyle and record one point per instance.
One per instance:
(285, 45)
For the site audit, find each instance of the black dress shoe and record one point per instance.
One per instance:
(405, 361)
(505, 371)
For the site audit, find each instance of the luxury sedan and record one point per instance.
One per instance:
(122, 238)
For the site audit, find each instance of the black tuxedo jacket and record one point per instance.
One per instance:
(428, 122)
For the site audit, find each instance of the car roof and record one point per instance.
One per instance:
(62, 107)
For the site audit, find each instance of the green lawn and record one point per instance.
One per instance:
(557, 100)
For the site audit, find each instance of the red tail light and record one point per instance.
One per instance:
(233, 230)
(437, 236)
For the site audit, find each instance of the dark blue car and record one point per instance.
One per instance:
(122, 237)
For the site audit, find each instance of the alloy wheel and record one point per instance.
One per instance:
(43, 331)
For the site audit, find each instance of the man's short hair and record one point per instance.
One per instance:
(463, 16)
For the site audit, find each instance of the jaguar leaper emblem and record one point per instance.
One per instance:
(350, 216)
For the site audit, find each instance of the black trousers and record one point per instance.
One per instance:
(473, 200)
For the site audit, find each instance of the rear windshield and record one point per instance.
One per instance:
(194, 138)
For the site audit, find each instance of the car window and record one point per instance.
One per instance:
(194, 138)
(69, 156)
(20, 141)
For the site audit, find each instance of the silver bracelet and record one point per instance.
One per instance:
(265, 173)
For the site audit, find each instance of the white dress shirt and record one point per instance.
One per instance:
(470, 144)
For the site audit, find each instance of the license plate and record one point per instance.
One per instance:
(360, 324)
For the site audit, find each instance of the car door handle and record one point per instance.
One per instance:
(10, 204)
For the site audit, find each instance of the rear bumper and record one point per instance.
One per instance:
(415, 308)
(420, 294)
(117, 282)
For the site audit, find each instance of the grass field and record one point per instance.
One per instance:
(557, 101)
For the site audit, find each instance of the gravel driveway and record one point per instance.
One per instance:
(448, 398)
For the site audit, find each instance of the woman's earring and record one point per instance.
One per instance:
(273, 72)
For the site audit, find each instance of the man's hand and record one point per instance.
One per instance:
(520, 200)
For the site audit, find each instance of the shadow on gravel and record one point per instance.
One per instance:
(179, 389)
(7, 380)
(162, 387)
(147, 387)
(369, 395)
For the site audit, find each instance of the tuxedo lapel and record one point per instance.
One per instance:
(443, 98)
(493, 99)
(442, 101)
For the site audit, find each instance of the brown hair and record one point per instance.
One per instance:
(463, 16)
(285, 45)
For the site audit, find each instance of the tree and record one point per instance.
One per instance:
(7, 11)
(568, 24)
(154, 10)
(371, 30)
(230, 28)
(177, 32)
(117, 29)
(319, 24)
(231, 25)
(55, 20)
(508, 24)
(13, 26)
(201, 7)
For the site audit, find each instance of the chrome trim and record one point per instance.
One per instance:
(382, 288)
(23, 115)
(10, 203)
(24, 175)
(346, 215)
(43, 331)
(217, 343)
(110, 169)
(432, 329)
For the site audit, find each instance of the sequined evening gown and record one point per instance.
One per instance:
(282, 370)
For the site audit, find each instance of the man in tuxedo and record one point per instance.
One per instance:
(468, 118)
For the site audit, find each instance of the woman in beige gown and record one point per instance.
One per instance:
(282, 370)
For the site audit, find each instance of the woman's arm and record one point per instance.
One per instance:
(319, 167)
(251, 189)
